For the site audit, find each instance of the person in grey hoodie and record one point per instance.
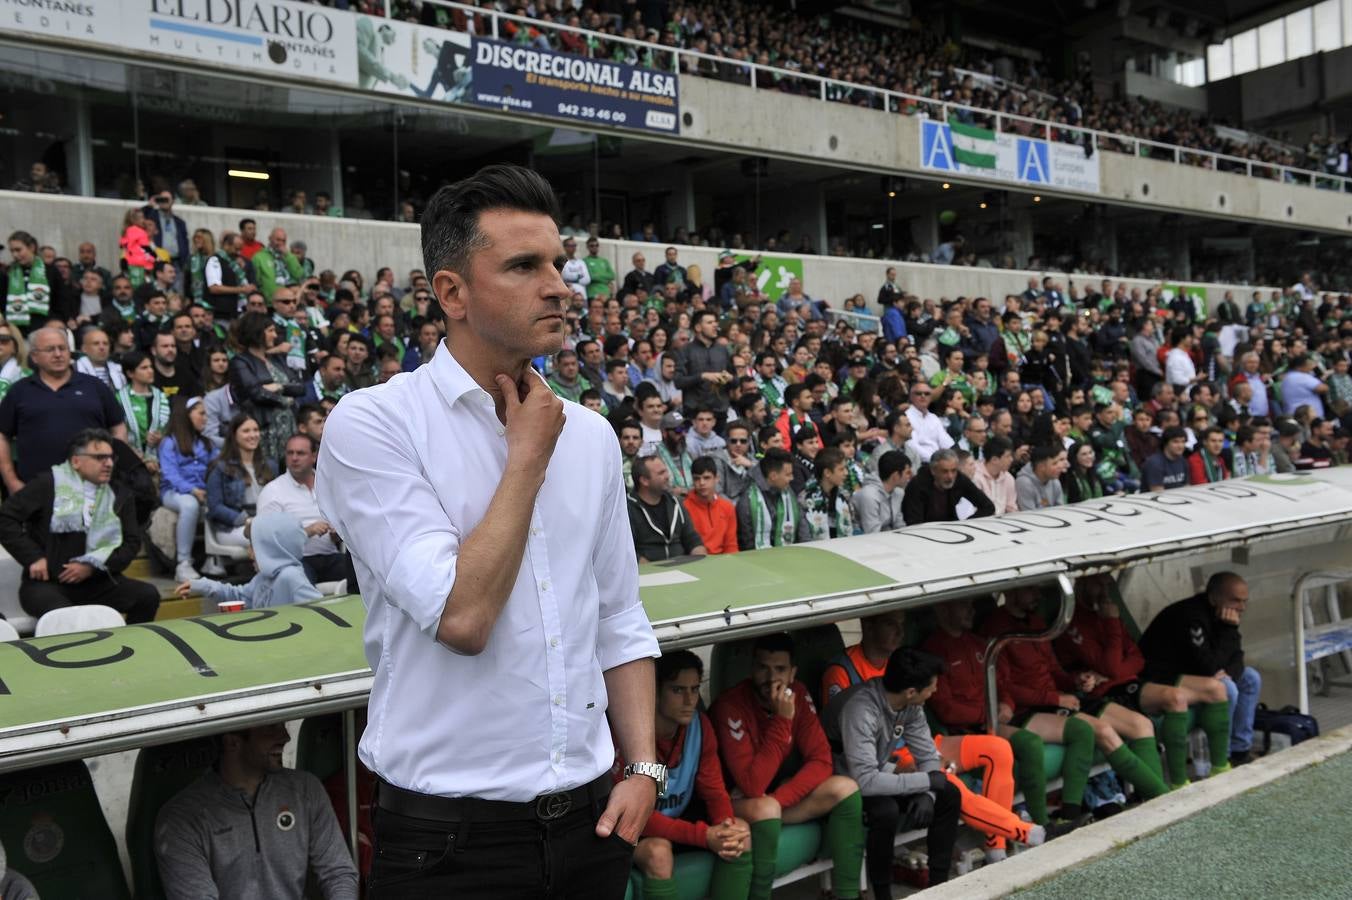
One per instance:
(249, 829)
(1039, 483)
(877, 502)
(277, 542)
(14, 886)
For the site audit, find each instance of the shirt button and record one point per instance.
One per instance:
(534, 532)
(553, 642)
(501, 432)
(544, 585)
(558, 699)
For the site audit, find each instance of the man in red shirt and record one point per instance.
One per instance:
(1046, 701)
(696, 811)
(1097, 648)
(249, 244)
(776, 753)
(714, 517)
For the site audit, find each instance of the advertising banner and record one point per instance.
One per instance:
(88, 21)
(413, 60)
(527, 79)
(960, 149)
(775, 273)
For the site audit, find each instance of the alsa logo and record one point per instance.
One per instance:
(656, 118)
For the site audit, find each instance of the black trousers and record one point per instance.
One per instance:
(561, 859)
(883, 815)
(137, 599)
(325, 567)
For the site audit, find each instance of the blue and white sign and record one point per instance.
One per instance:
(588, 91)
(960, 149)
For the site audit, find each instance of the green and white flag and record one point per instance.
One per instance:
(973, 146)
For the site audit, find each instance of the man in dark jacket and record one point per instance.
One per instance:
(934, 494)
(1200, 636)
(74, 532)
(704, 369)
(658, 521)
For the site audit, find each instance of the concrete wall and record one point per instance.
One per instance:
(1152, 87)
(366, 245)
(730, 116)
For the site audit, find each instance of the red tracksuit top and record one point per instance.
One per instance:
(709, 788)
(960, 700)
(1101, 644)
(1028, 671)
(755, 744)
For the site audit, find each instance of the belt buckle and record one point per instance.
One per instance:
(552, 806)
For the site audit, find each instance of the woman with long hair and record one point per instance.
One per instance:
(13, 357)
(184, 457)
(234, 480)
(203, 249)
(1081, 480)
(262, 382)
(217, 373)
(1022, 414)
(144, 406)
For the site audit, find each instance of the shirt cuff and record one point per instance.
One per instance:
(625, 637)
(420, 580)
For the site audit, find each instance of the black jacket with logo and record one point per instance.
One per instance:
(1186, 638)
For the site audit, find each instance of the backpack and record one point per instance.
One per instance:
(1283, 728)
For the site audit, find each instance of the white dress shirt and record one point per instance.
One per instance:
(285, 494)
(1179, 369)
(406, 472)
(577, 276)
(928, 434)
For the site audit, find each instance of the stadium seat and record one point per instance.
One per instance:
(54, 832)
(70, 619)
(8, 632)
(214, 547)
(11, 573)
(161, 772)
(692, 872)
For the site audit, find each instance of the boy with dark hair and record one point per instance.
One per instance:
(714, 517)
(770, 516)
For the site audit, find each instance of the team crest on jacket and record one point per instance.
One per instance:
(1198, 635)
(735, 729)
(286, 819)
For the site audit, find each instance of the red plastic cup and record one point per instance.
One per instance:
(229, 606)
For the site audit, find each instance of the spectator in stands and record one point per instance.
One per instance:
(42, 412)
(249, 245)
(576, 273)
(714, 517)
(1168, 468)
(1045, 702)
(329, 381)
(184, 457)
(779, 761)
(899, 433)
(877, 504)
(35, 290)
(275, 543)
(1207, 462)
(234, 480)
(993, 478)
(736, 463)
(1107, 664)
(1199, 637)
(1284, 452)
(673, 452)
(807, 443)
(145, 408)
(171, 232)
(1301, 387)
(275, 265)
(566, 380)
(41, 180)
(73, 532)
(87, 261)
(671, 271)
(824, 500)
(638, 278)
(661, 527)
(928, 431)
(1252, 451)
(262, 384)
(248, 805)
(769, 515)
(601, 274)
(175, 379)
(293, 492)
(1039, 483)
(938, 491)
(696, 811)
(703, 370)
(702, 440)
(1081, 480)
(229, 277)
(153, 318)
(615, 390)
(97, 349)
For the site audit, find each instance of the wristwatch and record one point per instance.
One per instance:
(656, 771)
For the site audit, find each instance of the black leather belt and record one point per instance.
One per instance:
(544, 808)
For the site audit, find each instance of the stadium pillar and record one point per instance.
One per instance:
(335, 169)
(1019, 236)
(681, 202)
(80, 150)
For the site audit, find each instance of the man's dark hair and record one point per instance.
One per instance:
(705, 465)
(644, 391)
(700, 315)
(631, 425)
(891, 463)
(747, 402)
(1044, 452)
(613, 343)
(314, 444)
(813, 380)
(763, 356)
(890, 423)
(674, 662)
(996, 447)
(581, 346)
(1081, 410)
(243, 222)
(639, 469)
(844, 434)
(1173, 432)
(306, 410)
(826, 460)
(737, 424)
(774, 460)
(613, 364)
(179, 315)
(908, 668)
(86, 437)
(1300, 360)
(450, 224)
(589, 394)
(766, 433)
(1244, 435)
(775, 642)
(795, 391)
(840, 400)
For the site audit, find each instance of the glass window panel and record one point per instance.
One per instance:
(1218, 62)
(1245, 46)
(1299, 34)
(1272, 43)
(1328, 26)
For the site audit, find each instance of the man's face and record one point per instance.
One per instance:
(975, 432)
(592, 354)
(335, 371)
(593, 247)
(671, 256)
(94, 463)
(920, 397)
(678, 699)
(1167, 397)
(770, 670)
(167, 274)
(184, 329)
(157, 306)
(779, 478)
(256, 303)
(570, 248)
(91, 282)
(704, 423)
(1215, 443)
(803, 402)
(277, 240)
(945, 473)
(707, 328)
(165, 350)
(568, 366)
(300, 459)
(639, 261)
(261, 749)
(706, 485)
(86, 254)
(1231, 601)
(658, 475)
(248, 231)
(96, 346)
(885, 631)
(631, 439)
(1176, 447)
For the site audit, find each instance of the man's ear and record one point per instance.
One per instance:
(452, 293)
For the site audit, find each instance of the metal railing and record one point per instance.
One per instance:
(758, 76)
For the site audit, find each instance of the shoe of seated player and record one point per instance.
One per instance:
(1243, 757)
(1058, 827)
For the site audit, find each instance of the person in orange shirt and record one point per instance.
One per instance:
(714, 517)
(881, 635)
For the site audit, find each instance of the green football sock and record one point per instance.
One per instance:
(1137, 773)
(659, 888)
(845, 844)
(1147, 750)
(1215, 721)
(1078, 737)
(1030, 772)
(731, 879)
(764, 852)
(1174, 733)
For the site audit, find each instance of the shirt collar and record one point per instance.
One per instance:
(451, 379)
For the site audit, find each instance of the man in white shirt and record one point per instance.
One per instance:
(293, 493)
(1179, 369)
(575, 272)
(928, 433)
(504, 625)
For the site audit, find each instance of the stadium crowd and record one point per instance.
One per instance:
(207, 362)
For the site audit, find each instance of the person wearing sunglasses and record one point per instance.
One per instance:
(74, 532)
(171, 232)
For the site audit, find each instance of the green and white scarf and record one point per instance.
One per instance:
(681, 476)
(235, 266)
(821, 514)
(103, 534)
(295, 337)
(773, 526)
(1211, 466)
(27, 296)
(197, 276)
(157, 415)
(324, 393)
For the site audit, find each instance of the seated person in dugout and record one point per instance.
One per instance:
(696, 812)
(1046, 703)
(867, 725)
(774, 751)
(881, 636)
(1199, 638)
(1107, 664)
